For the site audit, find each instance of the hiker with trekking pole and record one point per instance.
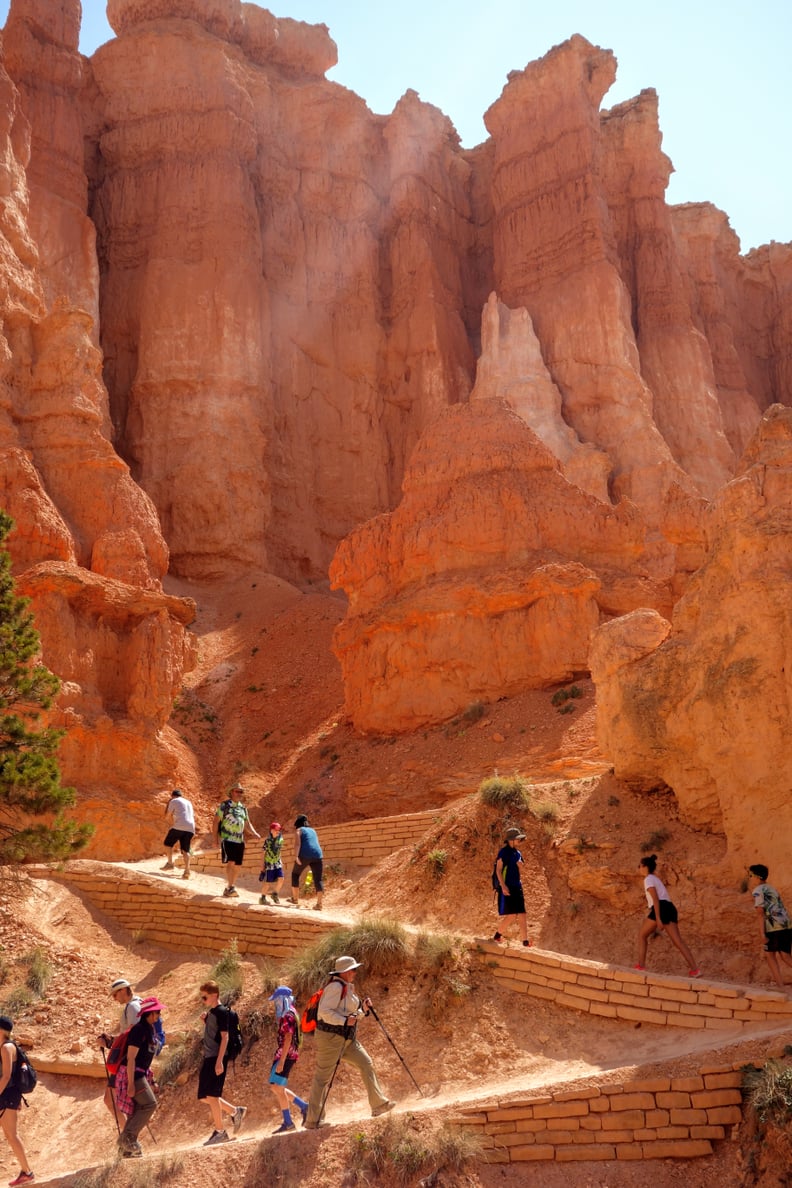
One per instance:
(135, 1081)
(121, 992)
(336, 1015)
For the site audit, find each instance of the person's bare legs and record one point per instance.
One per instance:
(218, 1107)
(9, 1125)
(186, 860)
(647, 928)
(676, 939)
(169, 863)
(775, 968)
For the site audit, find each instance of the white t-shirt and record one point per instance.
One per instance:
(130, 1013)
(180, 809)
(653, 881)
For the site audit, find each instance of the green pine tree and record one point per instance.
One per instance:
(29, 774)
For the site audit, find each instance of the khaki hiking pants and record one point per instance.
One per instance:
(145, 1105)
(328, 1048)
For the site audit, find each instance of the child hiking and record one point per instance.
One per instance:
(285, 1057)
(511, 899)
(774, 923)
(662, 915)
(272, 864)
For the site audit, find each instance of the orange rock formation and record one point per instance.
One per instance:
(702, 703)
(240, 311)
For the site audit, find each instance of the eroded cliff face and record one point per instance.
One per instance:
(87, 547)
(702, 703)
(242, 324)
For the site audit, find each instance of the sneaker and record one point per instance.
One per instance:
(238, 1118)
(263, 899)
(275, 897)
(23, 1178)
(168, 866)
(527, 944)
(217, 1136)
(317, 1125)
(230, 891)
(186, 874)
(694, 973)
(126, 1151)
(382, 1109)
(639, 966)
(284, 1128)
(291, 899)
(498, 938)
(304, 1114)
(318, 907)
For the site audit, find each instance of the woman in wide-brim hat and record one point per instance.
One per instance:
(11, 1100)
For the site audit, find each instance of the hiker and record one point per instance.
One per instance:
(121, 991)
(11, 1100)
(135, 1080)
(662, 915)
(272, 863)
(511, 899)
(231, 824)
(308, 854)
(285, 1057)
(337, 1016)
(182, 830)
(211, 1079)
(774, 921)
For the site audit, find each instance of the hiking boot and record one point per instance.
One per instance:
(230, 891)
(291, 899)
(217, 1136)
(382, 1109)
(186, 874)
(238, 1118)
(304, 1114)
(263, 899)
(498, 938)
(130, 1150)
(317, 1125)
(318, 907)
(694, 973)
(527, 944)
(168, 866)
(284, 1128)
(275, 897)
(23, 1178)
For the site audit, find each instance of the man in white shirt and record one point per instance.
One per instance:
(179, 811)
(121, 992)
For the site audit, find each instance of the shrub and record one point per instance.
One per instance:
(17, 1001)
(436, 949)
(559, 697)
(505, 792)
(566, 709)
(227, 972)
(436, 861)
(39, 972)
(769, 1091)
(270, 975)
(544, 810)
(655, 841)
(474, 712)
(400, 1150)
(183, 1057)
(380, 944)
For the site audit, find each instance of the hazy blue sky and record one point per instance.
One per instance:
(720, 70)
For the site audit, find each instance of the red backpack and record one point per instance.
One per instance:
(309, 1017)
(117, 1054)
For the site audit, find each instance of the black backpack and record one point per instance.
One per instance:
(235, 1041)
(25, 1076)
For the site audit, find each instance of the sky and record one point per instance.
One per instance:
(720, 70)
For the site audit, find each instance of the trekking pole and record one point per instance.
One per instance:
(396, 1050)
(112, 1093)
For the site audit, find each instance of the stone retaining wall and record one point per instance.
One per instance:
(355, 843)
(614, 992)
(148, 907)
(661, 1118)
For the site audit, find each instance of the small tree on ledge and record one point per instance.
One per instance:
(29, 774)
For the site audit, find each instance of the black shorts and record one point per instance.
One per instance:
(232, 852)
(10, 1098)
(209, 1083)
(181, 836)
(317, 870)
(779, 941)
(512, 904)
(668, 913)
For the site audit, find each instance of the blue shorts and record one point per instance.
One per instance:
(276, 1078)
(273, 873)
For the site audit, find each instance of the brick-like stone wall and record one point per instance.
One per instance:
(354, 843)
(149, 908)
(662, 1118)
(614, 992)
